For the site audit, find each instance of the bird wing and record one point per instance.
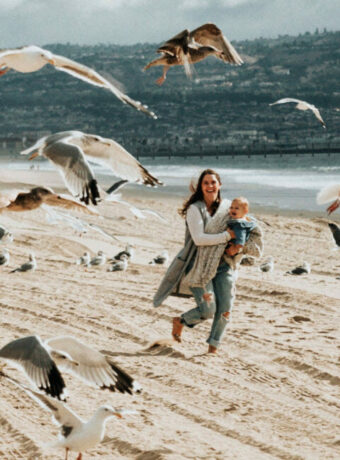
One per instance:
(109, 153)
(285, 100)
(7, 52)
(75, 170)
(210, 35)
(117, 186)
(32, 356)
(62, 415)
(176, 45)
(93, 367)
(328, 193)
(68, 202)
(318, 116)
(89, 75)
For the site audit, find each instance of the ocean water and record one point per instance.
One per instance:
(289, 182)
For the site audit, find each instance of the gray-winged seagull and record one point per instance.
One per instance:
(32, 58)
(75, 434)
(31, 265)
(302, 105)
(70, 151)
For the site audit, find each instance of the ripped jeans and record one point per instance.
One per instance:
(223, 289)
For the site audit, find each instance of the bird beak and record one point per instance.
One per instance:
(34, 155)
(117, 414)
(51, 61)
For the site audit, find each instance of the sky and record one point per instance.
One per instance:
(127, 22)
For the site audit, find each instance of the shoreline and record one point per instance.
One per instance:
(26, 178)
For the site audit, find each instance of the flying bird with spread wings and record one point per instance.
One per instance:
(32, 58)
(302, 105)
(38, 196)
(187, 48)
(70, 151)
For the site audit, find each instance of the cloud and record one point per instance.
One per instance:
(130, 21)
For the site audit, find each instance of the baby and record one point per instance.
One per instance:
(241, 224)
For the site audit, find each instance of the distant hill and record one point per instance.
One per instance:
(222, 107)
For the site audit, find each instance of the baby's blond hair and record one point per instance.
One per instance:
(243, 202)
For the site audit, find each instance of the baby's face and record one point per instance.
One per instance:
(237, 210)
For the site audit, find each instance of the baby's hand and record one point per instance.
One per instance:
(233, 249)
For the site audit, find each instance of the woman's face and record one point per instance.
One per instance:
(210, 187)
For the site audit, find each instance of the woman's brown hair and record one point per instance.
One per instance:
(197, 194)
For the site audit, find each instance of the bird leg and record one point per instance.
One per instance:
(3, 71)
(79, 456)
(66, 453)
(161, 79)
(333, 206)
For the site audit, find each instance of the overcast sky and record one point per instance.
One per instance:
(130, 21)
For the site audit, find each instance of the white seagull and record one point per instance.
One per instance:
(32, 58)
(5, 235)
(41, 361)
(119, 266)
(4, 257)
(84, 259)
(161, 259)
(31, 265)
(140, 213)
(99, 259)
(70, 151)
(302, 105)
(327, 194)
(75, 434)
(303, 269)
(128, 252)
(267, 266)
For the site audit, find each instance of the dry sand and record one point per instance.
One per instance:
(272, 391)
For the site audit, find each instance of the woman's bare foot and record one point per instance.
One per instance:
(212, 349)
(177, 328)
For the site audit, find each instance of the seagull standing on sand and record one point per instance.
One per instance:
(119, 266)
(303, 269)
(70, 151)
(302, 105)
(128, 253)
(161, 259)
(187, 48)
(84, 259)
(99, 259)
(31, 265)
(327, 194)
(5, 235)
(32, 58)
(75, 434)
(4, 257)
(267, 266)
(39, 359)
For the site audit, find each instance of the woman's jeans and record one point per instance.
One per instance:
(223, 289)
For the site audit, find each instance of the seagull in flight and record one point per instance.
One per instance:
(327, 194)
(75, 434)
(70, 152)
(40, 197)
(187, 48)
(302, 105)
(41, 361)
(31, 58)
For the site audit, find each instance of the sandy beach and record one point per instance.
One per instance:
(272, 392)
